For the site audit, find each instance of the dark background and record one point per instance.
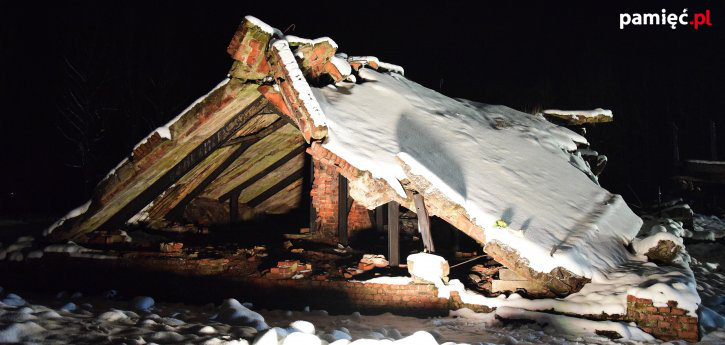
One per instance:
(130, 67)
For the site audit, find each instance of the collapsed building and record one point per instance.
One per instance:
(299, 125)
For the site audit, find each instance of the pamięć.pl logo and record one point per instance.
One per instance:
(671, 19)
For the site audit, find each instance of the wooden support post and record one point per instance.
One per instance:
(423, 222)
(311, 182)
(379, 220)
(394, 234)
(342, 209)
(234, 208)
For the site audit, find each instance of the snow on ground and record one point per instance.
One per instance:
(707, 264)
(93, 320)
(25, 247)
(578, 113)
(708, 227)
(72, 214)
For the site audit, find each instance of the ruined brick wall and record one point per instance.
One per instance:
(358, 219)
(324, 198)
(665, 323)
(324, 194)
(419, 299)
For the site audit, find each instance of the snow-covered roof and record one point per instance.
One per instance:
(496, 162)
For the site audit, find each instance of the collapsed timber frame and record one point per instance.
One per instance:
(241, 151)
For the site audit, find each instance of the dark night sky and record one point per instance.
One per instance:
(138, 65)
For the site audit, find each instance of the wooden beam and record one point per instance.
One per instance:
(245, 141)
(311, 182)
(342, 209)
(379, 220)
(251, 138)
(423, 222)
(394, 234)
(282, 184)
(177, 211)
(185, 165)
(264, 172)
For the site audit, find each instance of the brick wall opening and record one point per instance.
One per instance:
(325, 194)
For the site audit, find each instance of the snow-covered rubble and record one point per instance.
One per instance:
(707, 228)
(26, 247)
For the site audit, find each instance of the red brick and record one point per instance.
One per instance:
(688, 335)
(664, 310)
(678, 311)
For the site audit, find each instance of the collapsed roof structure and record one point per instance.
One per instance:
(514, 182)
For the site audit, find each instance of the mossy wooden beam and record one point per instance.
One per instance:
(260, 155)
(157, 164)
(274, 189)
(292, 154)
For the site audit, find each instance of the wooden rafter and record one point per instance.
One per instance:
(423, 222)
(247, 140)
(244, 144)
(394, 233)
(282, 184)
(264, 172)
(185, 165)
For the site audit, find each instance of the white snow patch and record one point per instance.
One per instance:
(72, 214)
(299, 83)
(391, 67)
(429, 267)
(13, 300)
(643, 245)
(303, 326)
(143, 303)
(294, 40)
(388, 280)
(75, 250)
(18, 332)
(342, 66)
(578, 113)
(14, 252)
(234, 313)
(261, 25)
(112, 316)
(298, 338)
(579, 327)
(707, 227)
(363, 59)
